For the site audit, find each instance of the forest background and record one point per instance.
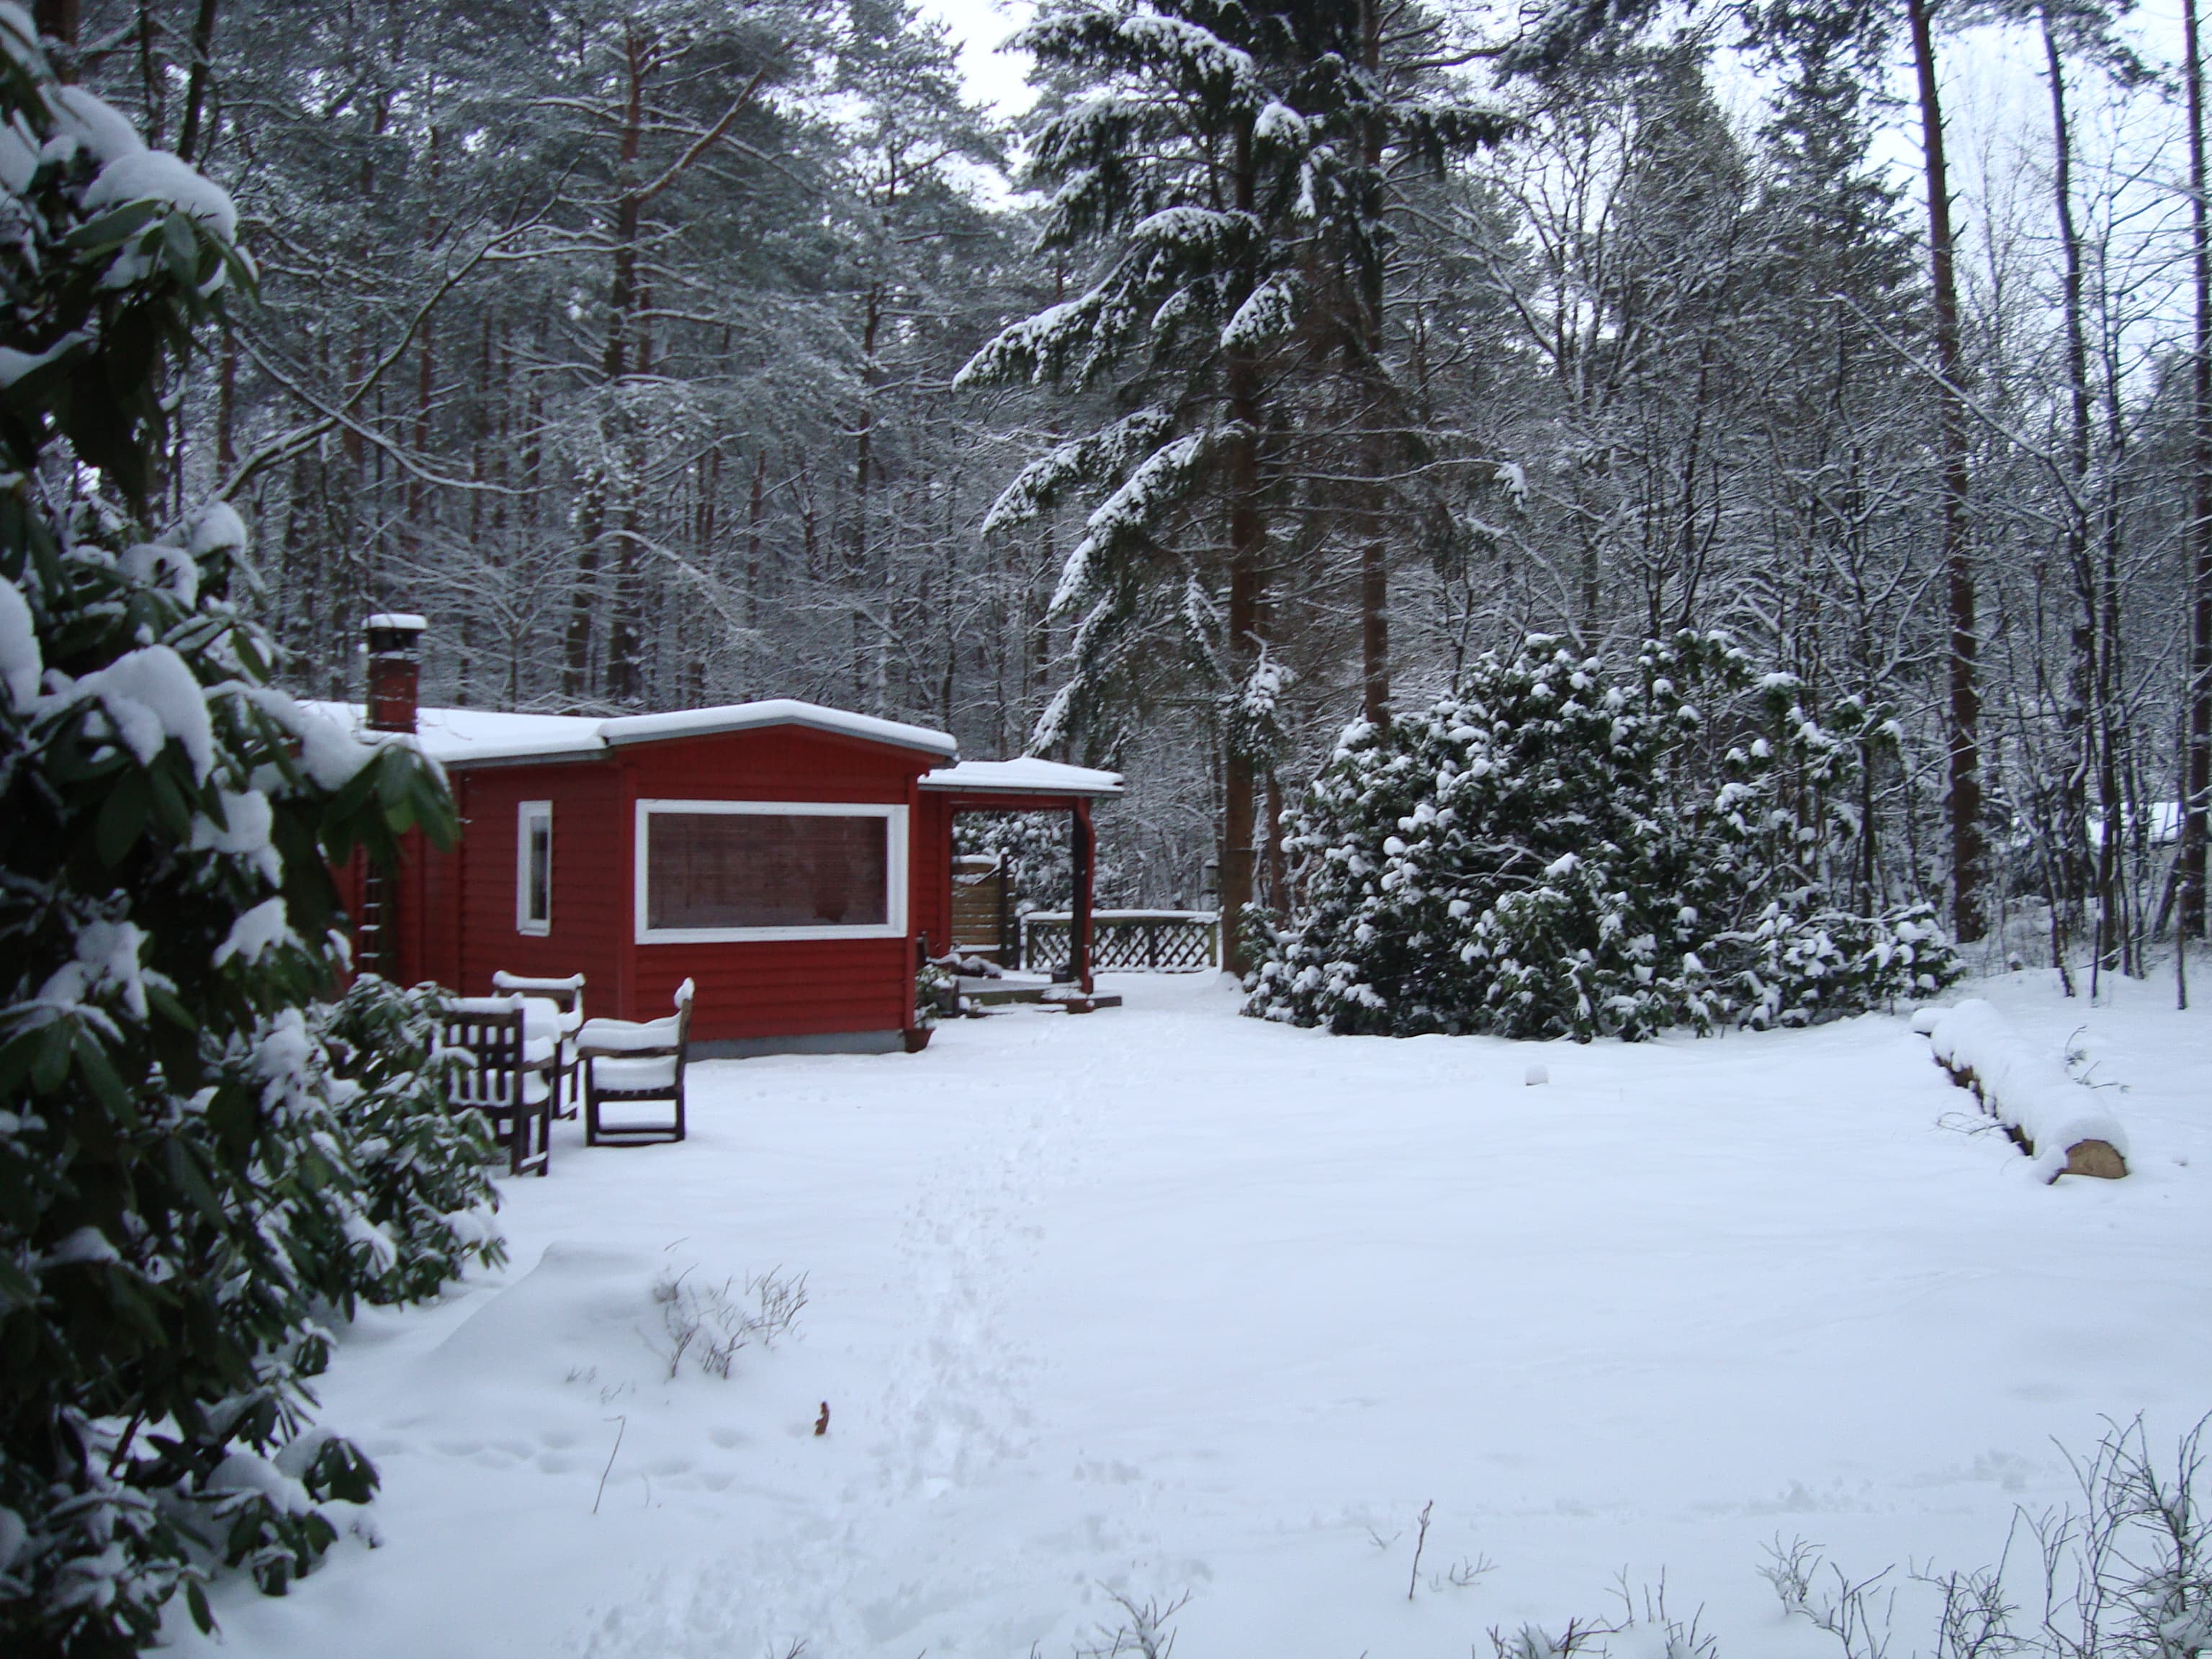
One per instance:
(621, 337)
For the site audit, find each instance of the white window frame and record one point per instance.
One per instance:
(895, 875)
(526, 814)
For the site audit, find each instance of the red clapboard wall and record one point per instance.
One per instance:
(458, 920)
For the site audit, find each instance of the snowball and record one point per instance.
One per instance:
(21, 663)
(149, 696)
(153, 175)
(1537, 1074)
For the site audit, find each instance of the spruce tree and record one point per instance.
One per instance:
(1221, 163)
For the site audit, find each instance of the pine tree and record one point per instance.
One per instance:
(1222, 161)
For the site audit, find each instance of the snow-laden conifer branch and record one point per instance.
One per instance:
(1130, 514)
(1105, 454)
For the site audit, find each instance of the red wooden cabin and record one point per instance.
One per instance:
(795, 861)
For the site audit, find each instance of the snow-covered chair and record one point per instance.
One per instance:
(515, 1051)
(566, 994)
(629, 1062)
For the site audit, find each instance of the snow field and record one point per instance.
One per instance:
(1162, 1299)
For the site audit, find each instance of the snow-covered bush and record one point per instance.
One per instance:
(424, 1190)
(1575, 847)
(172, 1157)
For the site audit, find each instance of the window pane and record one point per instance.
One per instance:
(541, 869)
(766, 870)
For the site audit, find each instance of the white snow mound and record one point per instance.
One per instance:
(2023, 1090)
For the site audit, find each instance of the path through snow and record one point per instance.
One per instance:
(1163, 1300)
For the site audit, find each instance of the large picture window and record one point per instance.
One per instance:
(711, 870)
(533, 868)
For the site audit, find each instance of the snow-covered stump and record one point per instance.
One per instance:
(2047, 1114)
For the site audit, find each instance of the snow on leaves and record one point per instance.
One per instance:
(1574, 847)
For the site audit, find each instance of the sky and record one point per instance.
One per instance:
(994, 78)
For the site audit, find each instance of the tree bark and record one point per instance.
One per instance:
(1374, 556)
(196, 80)
(614, 366)
(2198, 769)
(2086, 718)
(1966, 708)
(1248, 552)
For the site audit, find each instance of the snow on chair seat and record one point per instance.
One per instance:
(626, 1063)
(510, 1080)
(626, 1074)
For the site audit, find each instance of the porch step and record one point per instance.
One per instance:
(981, 993)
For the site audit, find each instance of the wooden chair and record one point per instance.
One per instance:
(626, 1062)
(566, 994)
(512, 1080)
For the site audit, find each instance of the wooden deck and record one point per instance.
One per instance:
(977, 992)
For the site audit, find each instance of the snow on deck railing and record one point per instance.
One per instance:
(2055, 1120)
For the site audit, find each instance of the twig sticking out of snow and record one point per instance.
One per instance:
(1144, 1633)
(1420, 1543)
(2051, 1117)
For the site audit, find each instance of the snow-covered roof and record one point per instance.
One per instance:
(1026, 776)
(464, 737)
(775, 711)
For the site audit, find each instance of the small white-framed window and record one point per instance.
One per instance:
(533, 868)
(711, 871)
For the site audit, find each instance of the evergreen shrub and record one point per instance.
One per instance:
(1576, 846)
(198, 1168)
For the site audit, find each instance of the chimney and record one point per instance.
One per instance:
(395, 670)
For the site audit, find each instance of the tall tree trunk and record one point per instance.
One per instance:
(1247, 553)
(57, 23)
(614, 367)
(864, 649)
(2198, 770)
(196, 80)
(1966, 710)
(1374, 556)
(2085, 680)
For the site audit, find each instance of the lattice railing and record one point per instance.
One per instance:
(1126, 941)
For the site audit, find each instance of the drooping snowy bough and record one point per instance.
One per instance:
(2048, 1114)
(201, 1167)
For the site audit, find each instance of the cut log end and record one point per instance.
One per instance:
(2100, 1158)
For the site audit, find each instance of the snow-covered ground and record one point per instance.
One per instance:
(1164, 1300)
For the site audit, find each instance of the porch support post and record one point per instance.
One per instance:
(1082, 854)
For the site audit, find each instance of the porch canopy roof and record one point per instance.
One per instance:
(1026, 785)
